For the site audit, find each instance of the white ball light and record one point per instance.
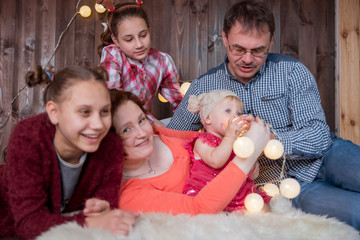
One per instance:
(289, 188)
(274, 149)
(243, 147)
(254, 202)
(100, 8)
(271, 189)
(85, 11)
(184, 87)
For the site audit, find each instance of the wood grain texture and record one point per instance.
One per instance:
(349, 74)
(189, 30)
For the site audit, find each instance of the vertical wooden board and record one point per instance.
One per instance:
(275, 6)
(180, 38)
(307, 38)
(44, 45)
(325, 60)
(46, 33)
(99, 28)
(66, 49)
(349, 73)
(198, 37)
(160, 16)
(85, 37)
(289, 24)
(216, 49)
(8, 28)
(25, 54)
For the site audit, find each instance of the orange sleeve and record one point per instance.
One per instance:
(139, 195)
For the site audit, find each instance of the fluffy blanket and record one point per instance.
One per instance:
(284, 222)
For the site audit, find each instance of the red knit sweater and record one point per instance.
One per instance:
(31, 180)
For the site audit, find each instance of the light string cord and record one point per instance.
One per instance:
(5, 119)
(7, 116)
(282, 173)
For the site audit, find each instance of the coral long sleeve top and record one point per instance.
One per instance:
(163, 193)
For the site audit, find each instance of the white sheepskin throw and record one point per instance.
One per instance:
(284, 222)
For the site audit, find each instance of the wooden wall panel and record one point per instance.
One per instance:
(8, 29)
(189, 30)
(324, 22)
(349, 72)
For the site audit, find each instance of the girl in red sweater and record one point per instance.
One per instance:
(64, 165)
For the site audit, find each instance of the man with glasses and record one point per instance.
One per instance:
(283, 92)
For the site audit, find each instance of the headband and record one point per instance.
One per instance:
(121, 9)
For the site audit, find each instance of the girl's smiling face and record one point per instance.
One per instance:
(83, 119)
(133, 38)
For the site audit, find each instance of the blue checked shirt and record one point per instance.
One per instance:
(283, 93)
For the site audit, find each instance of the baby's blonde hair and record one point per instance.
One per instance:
(204, 103)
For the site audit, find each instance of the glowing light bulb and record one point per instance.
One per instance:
(271, 189)
(184, 87)
(161, 98)
(274, 149)
(85, 11)
(254, 202)
(243, 147)
(100, 8)
(289, 188)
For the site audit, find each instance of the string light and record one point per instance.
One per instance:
(271, 189)
(289, 188)
(254, 202)
(243, 147)
(184, 87)
(85, 11)
(274, 149)
(100, 8)
(161, 98)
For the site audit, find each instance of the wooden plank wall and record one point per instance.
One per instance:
(348, 38)
(189, 30)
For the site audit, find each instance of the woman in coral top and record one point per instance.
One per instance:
(157, 164)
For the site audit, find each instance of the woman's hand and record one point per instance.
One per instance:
(259, 133)
(234, 127)
(254, 171)
(94, 207)
(116, 221)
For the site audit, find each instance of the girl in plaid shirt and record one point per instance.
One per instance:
(130, 61)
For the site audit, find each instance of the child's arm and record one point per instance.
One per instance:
(216, 157)
(170, 87)
(111, 61)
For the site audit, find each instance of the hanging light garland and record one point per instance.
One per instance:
(289, 187)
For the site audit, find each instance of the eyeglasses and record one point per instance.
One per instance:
(239, 52)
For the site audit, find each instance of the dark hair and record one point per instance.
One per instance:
(251, 14)
(119, 97)
(121, 12)
(63, 79)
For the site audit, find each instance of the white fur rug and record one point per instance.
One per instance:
(284, 222)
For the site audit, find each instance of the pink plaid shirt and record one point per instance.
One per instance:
(144, 79)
